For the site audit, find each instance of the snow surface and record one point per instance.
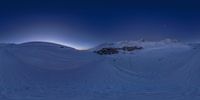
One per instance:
(45, 71)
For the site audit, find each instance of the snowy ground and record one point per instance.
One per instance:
(44, 71)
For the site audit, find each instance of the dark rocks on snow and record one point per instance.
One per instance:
(107, 51)
(110, 50)
(131, 48)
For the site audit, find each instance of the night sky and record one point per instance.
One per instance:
(87, 23)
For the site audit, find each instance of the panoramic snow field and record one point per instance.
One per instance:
(162, 70)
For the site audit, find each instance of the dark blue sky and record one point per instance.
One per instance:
(86, 23)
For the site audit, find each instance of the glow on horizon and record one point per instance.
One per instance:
(46, 30)
(78, 47)
(50, 40)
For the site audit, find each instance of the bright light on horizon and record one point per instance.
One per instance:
(58, 42)
(49, 40)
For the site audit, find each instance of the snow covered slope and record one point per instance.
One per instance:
(142, 43)
(46, 71)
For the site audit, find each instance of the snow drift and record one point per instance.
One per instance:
(163, 70)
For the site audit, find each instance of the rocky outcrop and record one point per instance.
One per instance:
(131, 48)
(109, 51)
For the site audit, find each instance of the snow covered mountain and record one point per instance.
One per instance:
(142, 43)
(163, 70)
(133, 46)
